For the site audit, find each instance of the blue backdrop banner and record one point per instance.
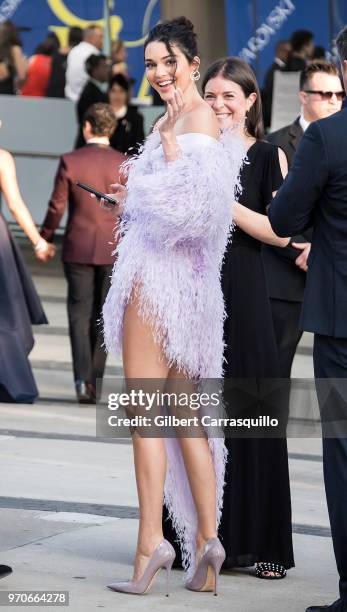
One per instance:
(255, 26)
(129, 21)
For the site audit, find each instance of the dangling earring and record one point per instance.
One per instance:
(245, 122)
(195, 75)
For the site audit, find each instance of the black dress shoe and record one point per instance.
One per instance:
(337, 606)
(84, 392)
(91, 392)
(5, 570)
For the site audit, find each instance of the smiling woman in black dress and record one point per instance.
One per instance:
(256, 524)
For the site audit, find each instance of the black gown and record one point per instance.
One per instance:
(256, 518)
(129, 132)
(20, 307)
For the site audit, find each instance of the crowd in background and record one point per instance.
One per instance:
(82, 73)
(46, 71)
(79, 72)
(290, 56)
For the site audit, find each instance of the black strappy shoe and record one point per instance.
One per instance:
(261, 568)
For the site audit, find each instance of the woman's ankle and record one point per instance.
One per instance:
(202, 538)
(146, 545)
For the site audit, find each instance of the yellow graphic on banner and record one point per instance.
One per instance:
(67, 17)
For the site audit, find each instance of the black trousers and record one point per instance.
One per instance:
(87, 289)
(286, 316)
(330, 362)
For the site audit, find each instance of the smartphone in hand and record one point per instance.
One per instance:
(98, 194)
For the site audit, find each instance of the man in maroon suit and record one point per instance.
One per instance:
(88, 242)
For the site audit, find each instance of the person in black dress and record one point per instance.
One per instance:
(256, 519)
(129, 132)
(20, 306)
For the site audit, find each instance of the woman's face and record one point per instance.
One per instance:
(228, 101)
(117, 96)
(165, 71)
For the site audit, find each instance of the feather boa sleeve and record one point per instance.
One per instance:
(182, 200)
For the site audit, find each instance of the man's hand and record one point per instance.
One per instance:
(301, 260)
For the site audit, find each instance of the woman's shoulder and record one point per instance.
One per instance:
(133, 111)
(5, 156)
(6, 163)
(201, 120)
(16, 50)
(266, 147)
(268, 151)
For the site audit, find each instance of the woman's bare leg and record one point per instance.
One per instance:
(201, 475)
(142, 359)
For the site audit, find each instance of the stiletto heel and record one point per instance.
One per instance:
(212, 559)
(217, 564)
(216, 574)
(168, 574)
(163, 556)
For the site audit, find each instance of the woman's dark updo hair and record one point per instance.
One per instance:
(179, 31)
(238, 71)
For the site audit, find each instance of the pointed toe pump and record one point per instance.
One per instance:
(162, 557)
(207, 570)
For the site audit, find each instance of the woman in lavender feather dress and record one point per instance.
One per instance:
(165, 308)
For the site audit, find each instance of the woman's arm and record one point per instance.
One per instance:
(20, 63)
(166, 125)
(16, 206)
(256, 224)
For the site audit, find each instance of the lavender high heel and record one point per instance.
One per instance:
(163, 556)
(207, 571)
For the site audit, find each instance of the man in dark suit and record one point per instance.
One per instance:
(314, 194)
(286, 268)
(282, 51)
(88, 242)
(95, 90)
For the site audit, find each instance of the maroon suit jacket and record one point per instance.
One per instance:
(89, 235)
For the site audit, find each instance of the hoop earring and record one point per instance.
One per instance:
(195, 75)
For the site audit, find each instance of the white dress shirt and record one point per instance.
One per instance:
(303, 122)
(76, 76)
(99, 140)
(279, 62)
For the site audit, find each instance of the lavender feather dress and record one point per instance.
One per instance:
(176, 225)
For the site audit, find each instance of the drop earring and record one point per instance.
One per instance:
(245, 122)
(195, 75)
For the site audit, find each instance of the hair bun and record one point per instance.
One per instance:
(183, 21)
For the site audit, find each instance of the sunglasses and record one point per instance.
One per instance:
(327, 95)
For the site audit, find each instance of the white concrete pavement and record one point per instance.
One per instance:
(68, 503)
